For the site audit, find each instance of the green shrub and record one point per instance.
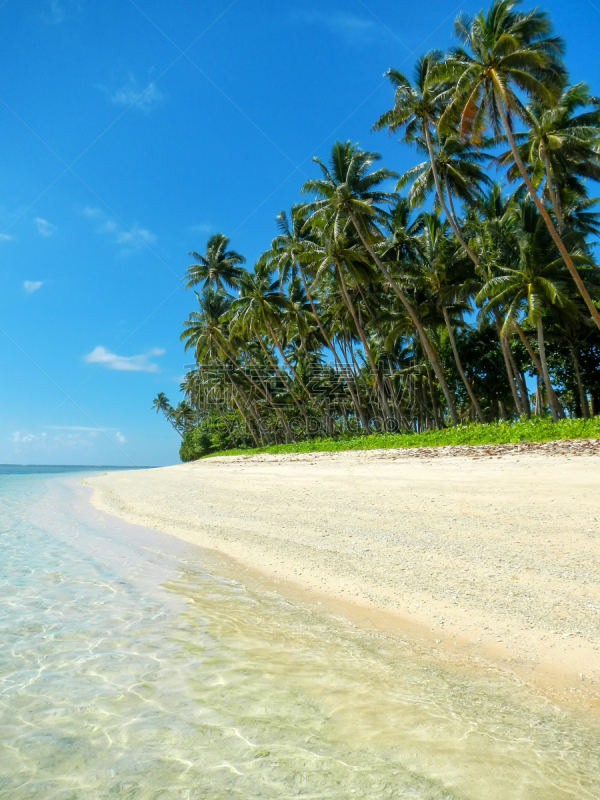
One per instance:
(537, 429)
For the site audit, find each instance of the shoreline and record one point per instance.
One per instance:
(489, 560)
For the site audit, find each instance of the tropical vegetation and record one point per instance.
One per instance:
(464, 292)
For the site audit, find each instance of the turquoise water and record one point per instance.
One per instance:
(128, 670)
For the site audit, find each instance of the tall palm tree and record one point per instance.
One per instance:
(537, 281)
(417, 109)
(333, 248)
(218, 267)
(441, 269)
(561, 147)
(161, 404)
(286, 255)
(507, 51)
(460, 168)
(259, 308)
(349, 190)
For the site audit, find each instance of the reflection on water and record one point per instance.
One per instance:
(126, 671)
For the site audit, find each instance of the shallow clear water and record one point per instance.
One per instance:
(128, 671)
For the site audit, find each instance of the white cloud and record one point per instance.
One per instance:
(64, 436)
(135, 235)
(201, 227)
(5, 237)
(55, 13)
(353, 28)
(132, 94)
(32, 286)
(44, 227)
(23, 437)
(130, 238)
(141, 363)
(88, 211)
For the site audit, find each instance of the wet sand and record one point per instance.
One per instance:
(488, 556)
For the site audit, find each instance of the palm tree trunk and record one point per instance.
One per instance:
(258, 389)
(544, 214)
(545, 373)
(554, 198)
(287, 363)
(254, 412)
(267, 396)
(582, 397)
(519, 380)
(552, 398)
(459, 366)
(436, 416)
(281, 377)
(316, 315)
(244, 417)
(426, 343)
(438, 189)
(507, 365)
(358, 409)
(365, 343)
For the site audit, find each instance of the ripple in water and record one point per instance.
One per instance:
(126, 671)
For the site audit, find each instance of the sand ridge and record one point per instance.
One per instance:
(489, 555)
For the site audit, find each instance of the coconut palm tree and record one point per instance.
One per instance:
(161, 404)
(506, 52)
(461, 173)
(441, 269)
(218, 267)
(536, 282)
(348, 190)
(417, 109)
(561, 147)
(259, 308)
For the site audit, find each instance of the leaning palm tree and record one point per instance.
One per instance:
(259, 309)
(460, 169)
(348, 189)
(218, 267)
(161, 404)
(417, 109)
(536, 282)
(287, 255)
(507, 52)
(561, 147)
(440, 269)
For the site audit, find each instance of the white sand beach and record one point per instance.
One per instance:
(488, 556)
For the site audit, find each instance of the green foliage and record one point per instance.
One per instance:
(366, 315)
(217, 431)
(537, 429)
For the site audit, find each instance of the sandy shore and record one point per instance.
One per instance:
(489, 556)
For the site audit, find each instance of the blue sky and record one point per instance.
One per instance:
(130, 131)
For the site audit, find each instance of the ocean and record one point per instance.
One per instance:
(130, 669)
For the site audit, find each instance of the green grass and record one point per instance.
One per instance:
(538, 429)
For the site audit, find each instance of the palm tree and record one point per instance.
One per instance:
(459, 166)
(218, 267)
(161, 404)
(561, 147)
(507, 51)
(536, 282)
(349, 191)
(341, 254)
(441, 269)
(286, 255)
(259, 307)
(416, 110)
